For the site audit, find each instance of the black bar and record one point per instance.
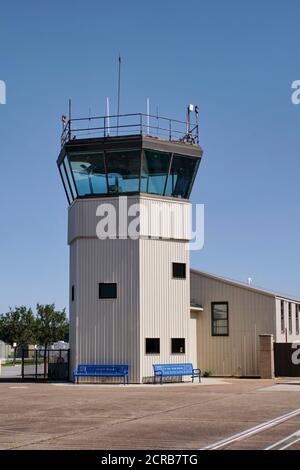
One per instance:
(23, 358)
(36, 364)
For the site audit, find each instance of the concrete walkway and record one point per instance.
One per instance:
(181, 416)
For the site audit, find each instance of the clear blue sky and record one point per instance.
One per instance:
(235, 59)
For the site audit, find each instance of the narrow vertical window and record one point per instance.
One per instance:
(219, 319)
(297, 319)
(282, 316)
(290, 319)
(73, 293)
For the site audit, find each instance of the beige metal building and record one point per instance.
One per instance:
(227, 318)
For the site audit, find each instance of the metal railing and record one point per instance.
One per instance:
(130, 124)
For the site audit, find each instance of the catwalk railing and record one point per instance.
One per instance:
(130, 124)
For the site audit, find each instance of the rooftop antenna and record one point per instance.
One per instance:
(119, 93)
(107, 114)
(148, 116)
(70, 117)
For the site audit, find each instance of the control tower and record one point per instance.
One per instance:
(128, 180)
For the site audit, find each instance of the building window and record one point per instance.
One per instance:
(107, 290)
(152, 345)
(290, 319)
(219, 318)
(297, 319)
(282, 316)
(178, 345)
(179, 270)
(73, 293)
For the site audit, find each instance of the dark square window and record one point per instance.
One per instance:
(179, 270)
(219, 319)
(152, 345)
(73, 293)
(107, 290)
(178, 345)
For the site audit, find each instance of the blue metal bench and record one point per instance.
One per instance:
(101, 370)
(175, 370)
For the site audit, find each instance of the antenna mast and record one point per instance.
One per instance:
(119, 93)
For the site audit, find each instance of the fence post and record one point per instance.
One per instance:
(266, 356)
(23, 359)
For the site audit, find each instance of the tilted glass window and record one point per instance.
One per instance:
(123, 169)
(70, 176)
(66, 182)
(219, 319)
(154, 171)
(89, 173)
(181, 177)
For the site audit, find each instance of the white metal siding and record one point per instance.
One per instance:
(150, 303)
(164, 301)
(105, 330)
(286, 336)
(158, 218)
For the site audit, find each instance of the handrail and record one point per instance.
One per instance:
(143, 125)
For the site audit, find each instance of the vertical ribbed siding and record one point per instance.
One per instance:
(150, 303)
(164, 301)
(158, 217)
(286, 336)
(107, 329)
(250, 314)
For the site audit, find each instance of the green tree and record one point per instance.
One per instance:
(18, 326)
(50, 325)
